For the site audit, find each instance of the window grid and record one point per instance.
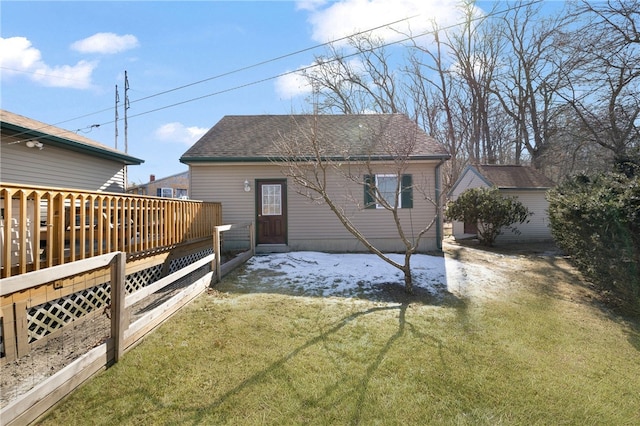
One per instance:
(271, 200)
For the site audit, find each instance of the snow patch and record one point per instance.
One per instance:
(319, 274)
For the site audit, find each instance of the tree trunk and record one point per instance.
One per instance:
(408, 279)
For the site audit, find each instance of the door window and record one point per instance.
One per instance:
(272, 200)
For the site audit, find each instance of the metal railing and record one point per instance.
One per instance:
(42, 227)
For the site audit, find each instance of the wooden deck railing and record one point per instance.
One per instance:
(42, 227)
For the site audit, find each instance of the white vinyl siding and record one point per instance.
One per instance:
(313, 226)
(534, 199)
(538, 227)
(58, 167)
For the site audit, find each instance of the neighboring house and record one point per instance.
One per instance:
(174, 186)
(236, 163)
(35, 153)
(526, 183)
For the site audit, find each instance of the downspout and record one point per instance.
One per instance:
(439, 224)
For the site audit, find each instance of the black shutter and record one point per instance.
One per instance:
(369, 202)
(159, 192)
(407, 192)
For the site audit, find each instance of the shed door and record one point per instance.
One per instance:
(470, 228)
(272, 212)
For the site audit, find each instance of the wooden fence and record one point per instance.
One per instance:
(113, 270)
(43, 227)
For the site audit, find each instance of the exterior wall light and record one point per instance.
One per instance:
(247, 187)
(34, 144)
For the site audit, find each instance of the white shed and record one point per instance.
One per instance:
(526, 183)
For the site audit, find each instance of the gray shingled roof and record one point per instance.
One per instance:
(29, 129)
(252, 137)
(522, 177)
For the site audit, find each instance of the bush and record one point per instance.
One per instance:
(596, 220)
(490, 210)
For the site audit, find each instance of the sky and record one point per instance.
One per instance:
(187, 64)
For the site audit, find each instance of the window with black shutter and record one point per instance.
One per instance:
(386, 186)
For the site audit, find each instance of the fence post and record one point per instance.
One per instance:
(21, 328)
(118, 317)
(216, 248)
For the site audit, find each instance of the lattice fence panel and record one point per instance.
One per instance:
(177, 264)
(48, 317)
(141, 279)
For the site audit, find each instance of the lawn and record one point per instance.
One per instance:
(521, 341)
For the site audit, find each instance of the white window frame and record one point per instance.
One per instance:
(166, 190)
(382, 194)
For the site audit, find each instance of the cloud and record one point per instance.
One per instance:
(106, 43)
(333, 20)
(291, 85)
(16, 53)
(18, 56)
(76, 76)
(178, 132)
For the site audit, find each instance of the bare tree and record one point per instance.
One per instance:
(435, 94)
(476, 52)
(311, 161)
(357, 82)
(533, 74)
(605, 83)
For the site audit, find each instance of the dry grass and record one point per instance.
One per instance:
(545, 355)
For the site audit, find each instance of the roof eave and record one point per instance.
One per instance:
(188, 160)
(73, 145)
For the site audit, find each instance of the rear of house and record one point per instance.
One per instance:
(237, 163)
(525, 183)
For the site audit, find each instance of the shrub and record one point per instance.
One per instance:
(492, 212)
(596, 220)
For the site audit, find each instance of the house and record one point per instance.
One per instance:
(239, 162)
(174, 186)
(524, 182)
(35, 153)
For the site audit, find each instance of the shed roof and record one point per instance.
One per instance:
(30, 129)
(512, 177)
(254, 137)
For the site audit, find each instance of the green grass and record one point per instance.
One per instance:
(537, 358)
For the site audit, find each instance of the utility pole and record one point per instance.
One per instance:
(126, 126)
(126, 107)
(116, 121)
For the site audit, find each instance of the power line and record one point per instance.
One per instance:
(297, 52)
(219, 75)
(299, 70)
(495, 13)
